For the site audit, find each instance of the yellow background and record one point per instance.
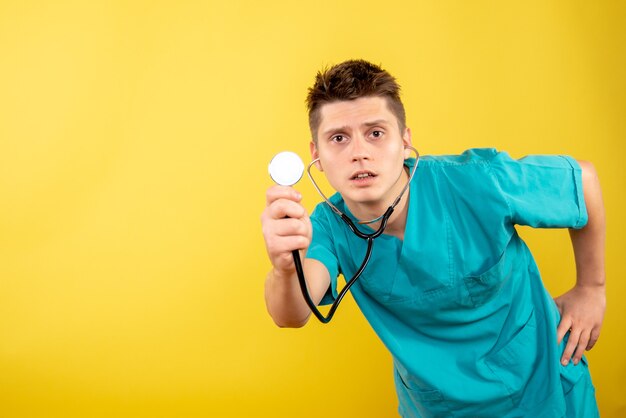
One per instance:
(134, 142)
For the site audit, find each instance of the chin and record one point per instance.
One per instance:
(363, 198)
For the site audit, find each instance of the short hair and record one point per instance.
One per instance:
(352, 80)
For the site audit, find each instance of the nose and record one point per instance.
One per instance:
(360, 149)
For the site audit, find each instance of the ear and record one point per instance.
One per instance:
(406, 142)
(315, 155)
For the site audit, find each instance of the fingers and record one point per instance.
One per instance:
(286, 226)
(583, 340)
(286, 234)
(283, 208)
(593, 338)
(569, 349)
(579, 340)
(582, 311)
(282, 192)
(278, 246)
(564, 326)
(283, 202)
(576, 345)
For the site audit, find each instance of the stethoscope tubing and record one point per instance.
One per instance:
(368, 253)
(369, 237)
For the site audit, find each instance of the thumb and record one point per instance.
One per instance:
(559, 304)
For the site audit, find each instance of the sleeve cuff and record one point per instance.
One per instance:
(580, 197)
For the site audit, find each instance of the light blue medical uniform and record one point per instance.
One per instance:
(459, 302)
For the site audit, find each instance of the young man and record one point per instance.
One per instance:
(451, 289)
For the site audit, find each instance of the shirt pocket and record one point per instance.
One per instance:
(514, 363)
(484, 287)
(420, 402)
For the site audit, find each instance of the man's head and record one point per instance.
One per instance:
(360, 140)
(352, 80)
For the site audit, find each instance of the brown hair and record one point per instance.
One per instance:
(352, 80)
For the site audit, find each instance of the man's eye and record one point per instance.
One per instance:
(377, 134)
(338, 138)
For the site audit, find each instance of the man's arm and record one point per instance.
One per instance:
(582, 308)
(283, 296)
(287, 227)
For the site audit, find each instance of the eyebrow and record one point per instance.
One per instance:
(345, 127)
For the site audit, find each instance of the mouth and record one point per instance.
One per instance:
(361, 176)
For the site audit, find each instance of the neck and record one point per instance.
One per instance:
(397, 220)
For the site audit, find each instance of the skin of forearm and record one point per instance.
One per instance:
(284, 300)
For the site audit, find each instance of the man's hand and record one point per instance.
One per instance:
(286, 227)
(582, 311)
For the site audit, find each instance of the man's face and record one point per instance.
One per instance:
(361, 151)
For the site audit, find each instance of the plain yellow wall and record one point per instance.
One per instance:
(134, 143)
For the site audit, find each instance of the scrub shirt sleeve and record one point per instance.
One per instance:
(321, 249)
(541, 191)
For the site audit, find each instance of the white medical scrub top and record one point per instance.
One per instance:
(459, 302)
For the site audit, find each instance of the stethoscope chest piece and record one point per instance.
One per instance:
(286, 168)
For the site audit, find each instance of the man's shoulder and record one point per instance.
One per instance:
(467, 157)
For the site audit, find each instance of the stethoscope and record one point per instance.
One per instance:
(286, 169)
